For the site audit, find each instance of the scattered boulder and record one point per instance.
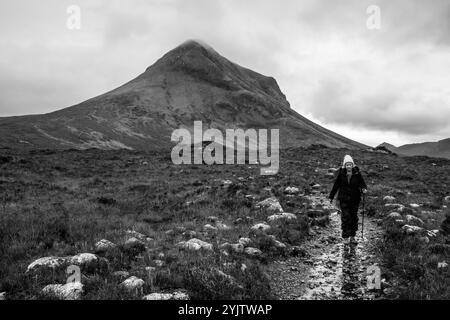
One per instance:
(245, 241)
(291, 190)
(414, 220)
(195, 244)
(209, 227)
(389, 199)
(121, 274)
(442, 265)
(134, 244)
(414, 205)
(133, 284)
(408, 229)
(84, 259)
(253, 251)
(270, 204)
(2, 296)
(237, 247)
(68, 291)
(137, 235)
(282, 216)
(46, 263)
(447, 199)
(261, 227)
(222, 226)
(394, 216)
(177, 295)
(104, 246)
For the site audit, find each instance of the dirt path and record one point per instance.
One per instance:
(331, 270)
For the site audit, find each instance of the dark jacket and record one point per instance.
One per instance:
(348, 192)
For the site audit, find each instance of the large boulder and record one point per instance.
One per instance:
(68, 291)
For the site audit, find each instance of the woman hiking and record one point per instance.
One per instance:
(350, 184)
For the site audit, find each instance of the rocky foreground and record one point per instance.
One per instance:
(129, 225)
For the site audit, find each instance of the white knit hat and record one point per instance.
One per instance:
(347, 158)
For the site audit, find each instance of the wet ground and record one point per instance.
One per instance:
(331, 269)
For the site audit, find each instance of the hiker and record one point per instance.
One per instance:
(350, 184)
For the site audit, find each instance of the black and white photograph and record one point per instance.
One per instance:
(245, 151)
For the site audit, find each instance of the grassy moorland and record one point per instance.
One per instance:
(60, 203)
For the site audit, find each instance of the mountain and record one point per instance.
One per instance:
(190, 82)
(439, 149)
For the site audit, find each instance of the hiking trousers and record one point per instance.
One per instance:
(349, 218)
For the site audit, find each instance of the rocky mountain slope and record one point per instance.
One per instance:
(190, 82)
(440, 149)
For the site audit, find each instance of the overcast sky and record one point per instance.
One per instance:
(372, 85)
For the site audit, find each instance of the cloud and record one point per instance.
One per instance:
(330, 66)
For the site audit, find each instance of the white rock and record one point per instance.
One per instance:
(261, 226)
(432, 233)
(243, 267)
(133, 284)
(209, 227)
(253, 251)
(135, 234)
(68, 291)
(3, 296)
(291, 190)
(195, 245)
(83, 259)
(414, 205)
(245, 241)
(104, 245)
(270, 204)
(282, 216)
(388, 198)
(411, 229)
(158, 263)
(177, 295)
(47, 262)
(134, 243)
(278, 244)
(447, 199)
(412, 219)
(394, 216)
(222, 226)
(442, 265)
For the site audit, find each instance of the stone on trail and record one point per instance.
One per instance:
(442, 265)
(270, 204)
(389, 199)
(209, 227)
(411, 229)
(414, 205)
(68, 291)
(2, 296)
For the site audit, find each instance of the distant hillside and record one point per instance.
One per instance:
(439, 149)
